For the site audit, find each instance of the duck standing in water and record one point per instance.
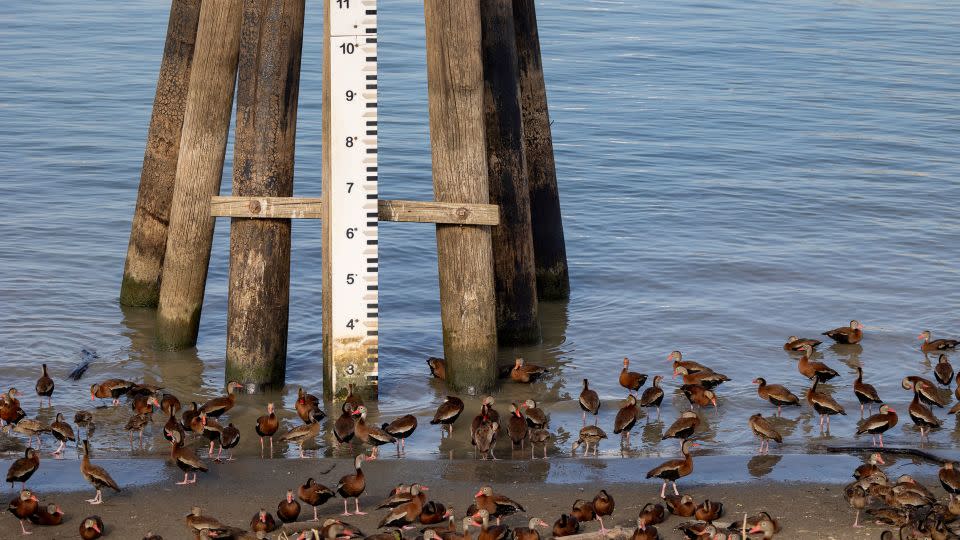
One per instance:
(674, 469)
(936, 345)
(44, 387)
(447, 413)
(866, 393)
(631, 380)
(847, 335)
(776, 394)
(653, 396)
(267, 426)
(589, 402)
(879, 423)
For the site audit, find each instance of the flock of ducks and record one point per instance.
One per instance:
(904, 503)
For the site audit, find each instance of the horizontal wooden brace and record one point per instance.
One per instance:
(388, 210)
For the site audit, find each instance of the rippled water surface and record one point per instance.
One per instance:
(731, 173)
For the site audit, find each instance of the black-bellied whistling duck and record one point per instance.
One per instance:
(138, 423)
(44, 387)
(653, 396)
(186, 460)
(199, 523)
(447, 413)
(709, 511)
(795, 343)
(24, 506)
(674, 469)
(680, 505)
(371, 435)
(812, 369)
(847, 335)
(83, 420)
(10, 410)
(308, 407)
(353, 485)
(229, 439)
(218, 406)
(405, 514)
(823, 404)
(870, 467)
(925, 389)
(23, 468)
(590, 436)
(143, 404)
(212, 430)
(49, 515)
(263, 521)
(943, 371)
(301, 434)
(936, 345)
(857, 498)
(765, 431)
(433, 513)
(487, 410)
(692, 367)
(453, 535)
(536, 418)
(288, 510)
(438, 367)
(950, 478)
(172, 426)
(589, 402)
(539, 436)
(189, 416)
(766, 526)
(110, 389)
(169, 403)
(400, 429)
(683, 427)
(583, 511)
(603, 505)
(645, 532)
(922, 415)
(566, 525)
(530, 532)
(91, 528)
(97, 476)
(707, 379)
(878, 423)
(697, 529)
(353, 399)
(498, 506)
(516, 427)
(866, 393)
(699, 395)
(776, 394)
(143, 389)
(631, 380)
(315, 495)
(626, 418)
(31, 428)
(267, 426)
(523, 372)
(399, 495)
(490, 532)
(485, 438)
(344, 426)
(62, 432)
(333, 529)
(651, 514)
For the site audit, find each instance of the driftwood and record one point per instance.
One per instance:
(886, 450)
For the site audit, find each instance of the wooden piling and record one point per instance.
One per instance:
(206, 124)
(464, 253)
(148, 233)
(513, 260)
(553, 279)
(268, 83)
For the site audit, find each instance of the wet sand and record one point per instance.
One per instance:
(803, 492)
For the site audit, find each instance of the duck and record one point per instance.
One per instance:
(925, 389)
(566, 525)
(169, 403)
(517, 427)
(199, 523)
(353, 399)
(315, 494)
(794, 343)
(631, 380)
(24, 506)
(368, 434)
(814, 370)
(288, 510)
(645, 532)
(447, 413)
(766, 526)
(96, 475)
(943, 371)
(847, 335)
(229, 439)
(536, 418)
(405, 514)
(62, 432)
(589, 401)
(583, 510)
(83, 420)
(680, 505)
(709, 511)
(857, 498)
(765, 431)
(707, 378)
(485, 438)
(949, 477)
(399, 495)
(823, 404)
(699, 395)
(488, 532)
(353, 485)
(216, 407)
(438, 367)
(186, 460)
(589, 436)
(922, 415)
(138, 423)
(172, 426)
(539, 436)
(626, 417)
(434, 512)
(10, 410)
(212, 430)
(23, 468)
(301, 434)
(603, 505)
(143, 404)
(49, 515)
(529, 532)
(870, 467)
(337, 529)
(776, 394)
(110, 389)
(44, 386)
(696, 529)
(31, 428)
(674, 469)
(692, 367)
(653, 396)
(936, 345)
(401, 428)
(190, 416)
(453, 535)
(267, 426)
(651, 514)
(878, 423)
(498, 506)
(344, 426)
(91, 528)
(866, 393)
(525, 373)
(263, 521)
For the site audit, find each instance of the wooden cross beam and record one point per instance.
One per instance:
(389, 210)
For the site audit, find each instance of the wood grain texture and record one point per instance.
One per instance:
(148, 232)
(388, 209)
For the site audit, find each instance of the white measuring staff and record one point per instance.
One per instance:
(353, 193)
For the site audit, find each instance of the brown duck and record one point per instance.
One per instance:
(678, 362)
(24, 506)
(438, 367)
(263, 521)
(590, 436)
(922, 415)
(353, 399)
(434, 512)
(631, 380)
(344, 426)
(583, 511)
(169, 404)
(216, 407)
(523, 372)
(943, 371)
(823, 404)
(626, 417)
(288, 510)
(536, 418)
(110, 389)
(44, 387)
(63, 432)
(925, 389)
(10, 410)
(680, 505)
(301, 434)
(814, 370)
(49, 515)
(353, 485)
(707, 379)
(674, 469)
(23, 468)
(371, 435)
(950, 478)
(776, 394)
(645, 532)
(653, 396)
(709, 511)
(485, 438)
(91, 528)
(651, 514)
(315, 495)
(405, 514)
(603, 505)
(795, 343)
(229, 439)
(936, 345)
(267, 426)
(488, 532)
(765, 431)
(566, 525)
(866, 393)
(848, 335)
(186, 460)
(589, 402)
(447, 413)
(498, 506)
(401, 428)
(529, 532)
(870, 467)
(879, 423)
(517, 427)
(97, 476)
(699, 395)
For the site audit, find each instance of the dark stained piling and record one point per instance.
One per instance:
(464, 253)
(206, 125)
(148, 234)
(513, 254)
(553, 279)
(268, 83)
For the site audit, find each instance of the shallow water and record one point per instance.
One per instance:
(730, 173)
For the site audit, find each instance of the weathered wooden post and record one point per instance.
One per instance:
(148, 234)
(206, 124)
(513, 258)
(464, 253)
(268, 83)
(553, 279)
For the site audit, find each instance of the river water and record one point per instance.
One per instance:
(731, 173)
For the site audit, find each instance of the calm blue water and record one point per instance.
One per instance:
(731, 173)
